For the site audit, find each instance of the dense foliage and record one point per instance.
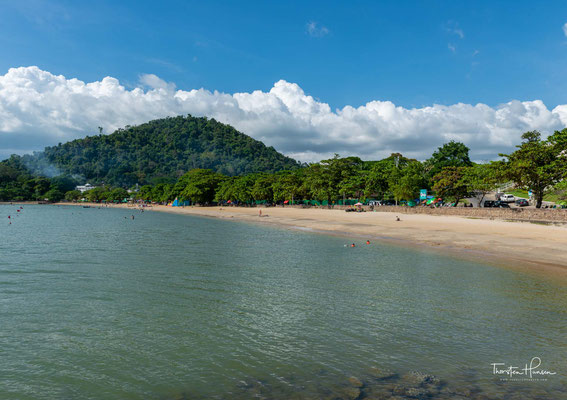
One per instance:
(452, 154)
(539, 165)
(18, 183)
(158, 150)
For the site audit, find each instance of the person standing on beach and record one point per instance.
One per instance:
(260, 212)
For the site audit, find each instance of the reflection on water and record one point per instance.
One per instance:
(96, 305)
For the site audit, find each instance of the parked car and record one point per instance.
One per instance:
(495, 204)
(507, 198)
(374, 203)
(522, 203)
(388, 202)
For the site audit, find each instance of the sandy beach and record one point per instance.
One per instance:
(535, 248)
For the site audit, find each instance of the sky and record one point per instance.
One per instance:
(364, 78)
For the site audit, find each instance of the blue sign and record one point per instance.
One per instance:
(423, 194)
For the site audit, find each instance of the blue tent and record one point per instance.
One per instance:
(179, 203)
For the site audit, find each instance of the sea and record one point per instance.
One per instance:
(106, 303)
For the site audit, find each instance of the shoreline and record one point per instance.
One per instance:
(533, 248)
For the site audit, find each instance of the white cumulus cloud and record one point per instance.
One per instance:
(565, 29)
(155, 82)
(38, 109)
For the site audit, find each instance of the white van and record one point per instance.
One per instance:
(507, 198)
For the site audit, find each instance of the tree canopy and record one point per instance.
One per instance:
(199, 185)
(449, 183)
(161, 149)
(451, 154)
(538, 164)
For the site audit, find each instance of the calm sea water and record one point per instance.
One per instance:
(95, 305)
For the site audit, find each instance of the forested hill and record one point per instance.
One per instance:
(161, 150)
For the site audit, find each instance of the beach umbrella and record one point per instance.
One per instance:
(358, 204)
(286, 202)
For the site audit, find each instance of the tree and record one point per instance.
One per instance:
(324, 179)
(385, 173)
(118, 194)
(73, 195)
(561, 191)
(226, 190)
(452, 154)
(199, 185)
(377, 179)
(317, 182)
(41, 186)
(63, 183)
(163, 193)
(538, 164)
(97, 194)
(449, 184)
(406, 182)
(8, 173)
(145, 193)
(54, 195)
(262, 188)
(354, 185)
(482, 179)
(289, 185)
(242, 188)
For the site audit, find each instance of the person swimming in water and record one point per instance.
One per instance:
(353, 245)
(368, 242)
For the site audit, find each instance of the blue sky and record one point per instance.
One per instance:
(399, 51)
(413, 54)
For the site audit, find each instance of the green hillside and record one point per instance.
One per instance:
(160, 150)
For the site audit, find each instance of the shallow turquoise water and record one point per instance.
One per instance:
(96, 305)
